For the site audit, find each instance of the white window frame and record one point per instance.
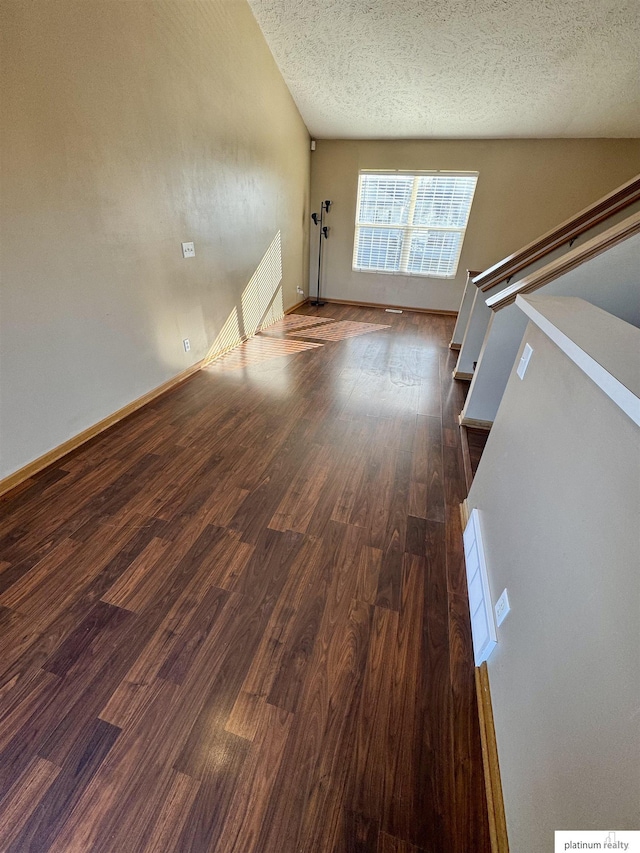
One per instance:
(409, 229)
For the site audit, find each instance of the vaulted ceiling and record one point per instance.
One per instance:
(459, 68)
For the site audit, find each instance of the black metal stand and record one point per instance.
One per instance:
(324, 232)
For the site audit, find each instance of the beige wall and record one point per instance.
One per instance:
(559, 496)
(525, 187)
(129, 127)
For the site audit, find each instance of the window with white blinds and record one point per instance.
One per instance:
(412, 224)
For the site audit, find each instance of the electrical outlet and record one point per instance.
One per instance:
(300, 291)
(188, 250)
(502, 607)
(186, 344)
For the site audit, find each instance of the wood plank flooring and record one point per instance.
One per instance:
(473, 443)
(237, 621)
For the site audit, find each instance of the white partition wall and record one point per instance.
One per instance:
(559, 495)
(610, 280)
(464, 311)
(472, 327)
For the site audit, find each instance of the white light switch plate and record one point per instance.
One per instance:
(527, 352)
(188, 250)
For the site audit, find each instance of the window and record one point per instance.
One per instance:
(412, 224)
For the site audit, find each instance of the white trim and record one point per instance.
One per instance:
(618, 393)
(408, 172)
(367, 271)
(410, 229)
(483, 627)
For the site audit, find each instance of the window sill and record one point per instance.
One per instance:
(404, 274)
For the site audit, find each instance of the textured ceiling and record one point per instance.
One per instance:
(460, 68)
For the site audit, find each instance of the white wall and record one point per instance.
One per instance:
(559, 495)
(479, 317)
(127, 128)
(610, 281)
(525, 187)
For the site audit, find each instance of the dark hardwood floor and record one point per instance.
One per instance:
(473, 444)
(238, 622)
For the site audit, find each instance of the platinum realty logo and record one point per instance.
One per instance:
(625, 840)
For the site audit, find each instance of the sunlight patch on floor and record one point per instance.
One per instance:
(341, 330)
(258, 350)
(296, 321)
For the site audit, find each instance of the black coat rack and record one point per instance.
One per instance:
(324, 232)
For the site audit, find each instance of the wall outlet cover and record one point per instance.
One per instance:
(502, 607)
(188, 250)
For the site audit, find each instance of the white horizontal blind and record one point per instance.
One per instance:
(434, 252)
(379, 248)
(385, 199)
(444, 200)
(432, 211)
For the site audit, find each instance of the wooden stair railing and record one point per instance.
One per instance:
(507, 326)
(567, 231)
(572, 259)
